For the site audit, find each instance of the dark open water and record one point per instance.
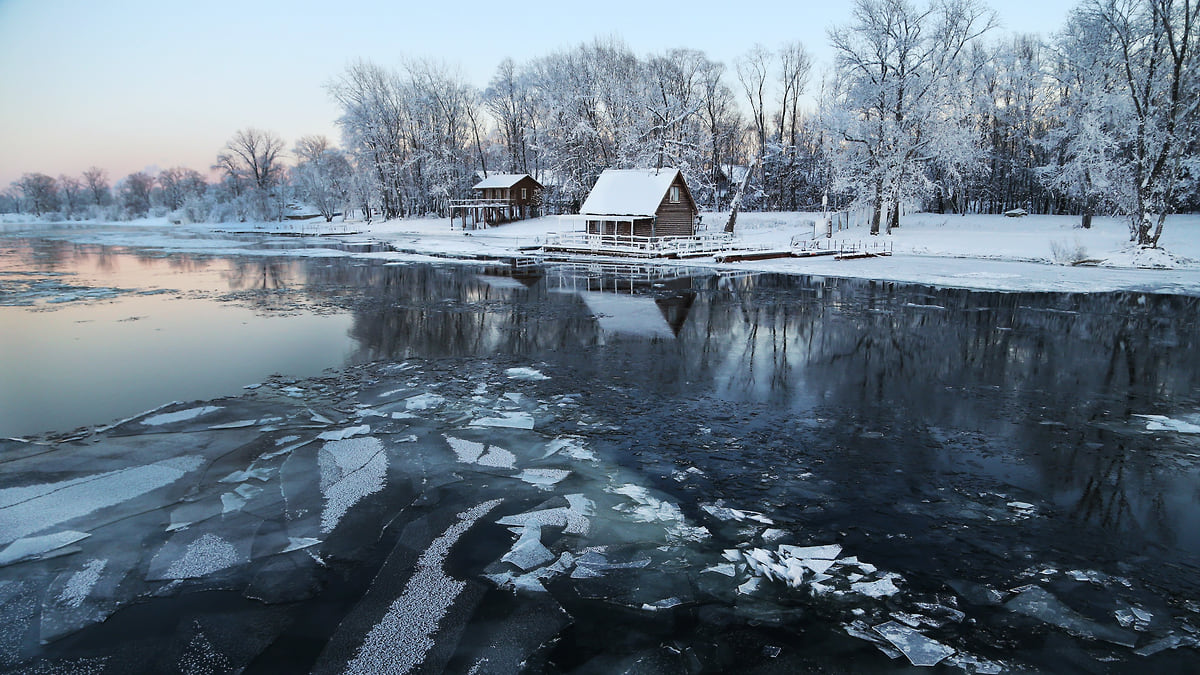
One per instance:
(968, 441)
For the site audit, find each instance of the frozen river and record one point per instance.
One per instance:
(585, 469)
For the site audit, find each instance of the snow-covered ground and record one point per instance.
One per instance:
(1034, 253)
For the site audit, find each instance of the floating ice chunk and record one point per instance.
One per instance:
(79, 586)
(817, 565)
(297, 543)
(528, 552)
(506, 420)
(648, 508)
(594, 564)
(423, 402)
(665, 603)
(1038, 603)
(1172, 641)
(571, 447)
(320, 419)
(29, 509)
(240, 424)
(722, 568)
(1164, 423)
(722, 512)
(350, 470)
(544, 479)
(262, 474)
(399, 643)
(772, 534)
(231, 502)
(573, 518)
(973, 664)
(862, 631)
(498, 457)
(207, 554)
(180, 415)
(880, 588)
(749, 586)
(532, 581)
(34, 547)
(248, 491)
(525, 374)
(920, 650)
(827, 552)
(467, 451)
(342, 434)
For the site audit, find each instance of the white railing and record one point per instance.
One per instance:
(624, 243)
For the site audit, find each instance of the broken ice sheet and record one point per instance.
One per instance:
(423, 401)
(880, 588)
(920, 650)
(180, 415)
(506, 420)
(342, 434)
(528, 551)
(544, 479)
(826, 552)
(1164, 423)
(525, 374)
(35, 547)
(570, 447)
(1040, 604)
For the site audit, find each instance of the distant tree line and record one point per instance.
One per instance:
(922, 107)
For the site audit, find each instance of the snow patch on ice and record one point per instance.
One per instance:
(399, 643)
(207, 554)
(81, 583)
(351, 469)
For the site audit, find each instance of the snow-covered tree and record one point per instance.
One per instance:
(898, 97)
(176, 185)
(1154, 45)
(322, 177)
(133, 193)
(39, 192)
(96, 180)
(71, 196)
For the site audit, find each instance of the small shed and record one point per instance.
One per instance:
(499, 198)
(640, 203)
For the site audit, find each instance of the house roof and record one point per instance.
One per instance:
(501, 180)
(628, 192)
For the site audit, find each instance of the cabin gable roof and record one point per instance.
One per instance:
(504, 180)
(632, 192)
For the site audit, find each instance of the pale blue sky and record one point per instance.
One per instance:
(130, 84)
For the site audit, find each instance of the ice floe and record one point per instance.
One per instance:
(424, 402)
(528, 551)
(920, 650)
(1164, 423)
(180, 415)
(29, 509)
(507, 420)
(36, 547)
(351, 469)
(525, 374)
(544, 479)
(342, 434)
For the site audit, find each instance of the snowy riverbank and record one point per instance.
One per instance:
(1035, 253)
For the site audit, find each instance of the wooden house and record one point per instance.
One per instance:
(499, 198)
(640, 203)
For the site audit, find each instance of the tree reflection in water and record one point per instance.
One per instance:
(1032, 391)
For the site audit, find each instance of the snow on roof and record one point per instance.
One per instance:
(628, 192)
(500, 180)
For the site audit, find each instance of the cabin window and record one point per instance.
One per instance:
(674, 194)
(523, 193)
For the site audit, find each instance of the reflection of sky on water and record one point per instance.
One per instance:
(69, 364)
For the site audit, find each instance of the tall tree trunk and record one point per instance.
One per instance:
(737, 199)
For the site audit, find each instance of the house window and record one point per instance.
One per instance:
(524, 196)
(674, 194)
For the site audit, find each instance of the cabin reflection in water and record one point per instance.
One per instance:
(642, 300)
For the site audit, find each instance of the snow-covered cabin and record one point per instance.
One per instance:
(640, 203)
(499, 198)
(518, 189)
